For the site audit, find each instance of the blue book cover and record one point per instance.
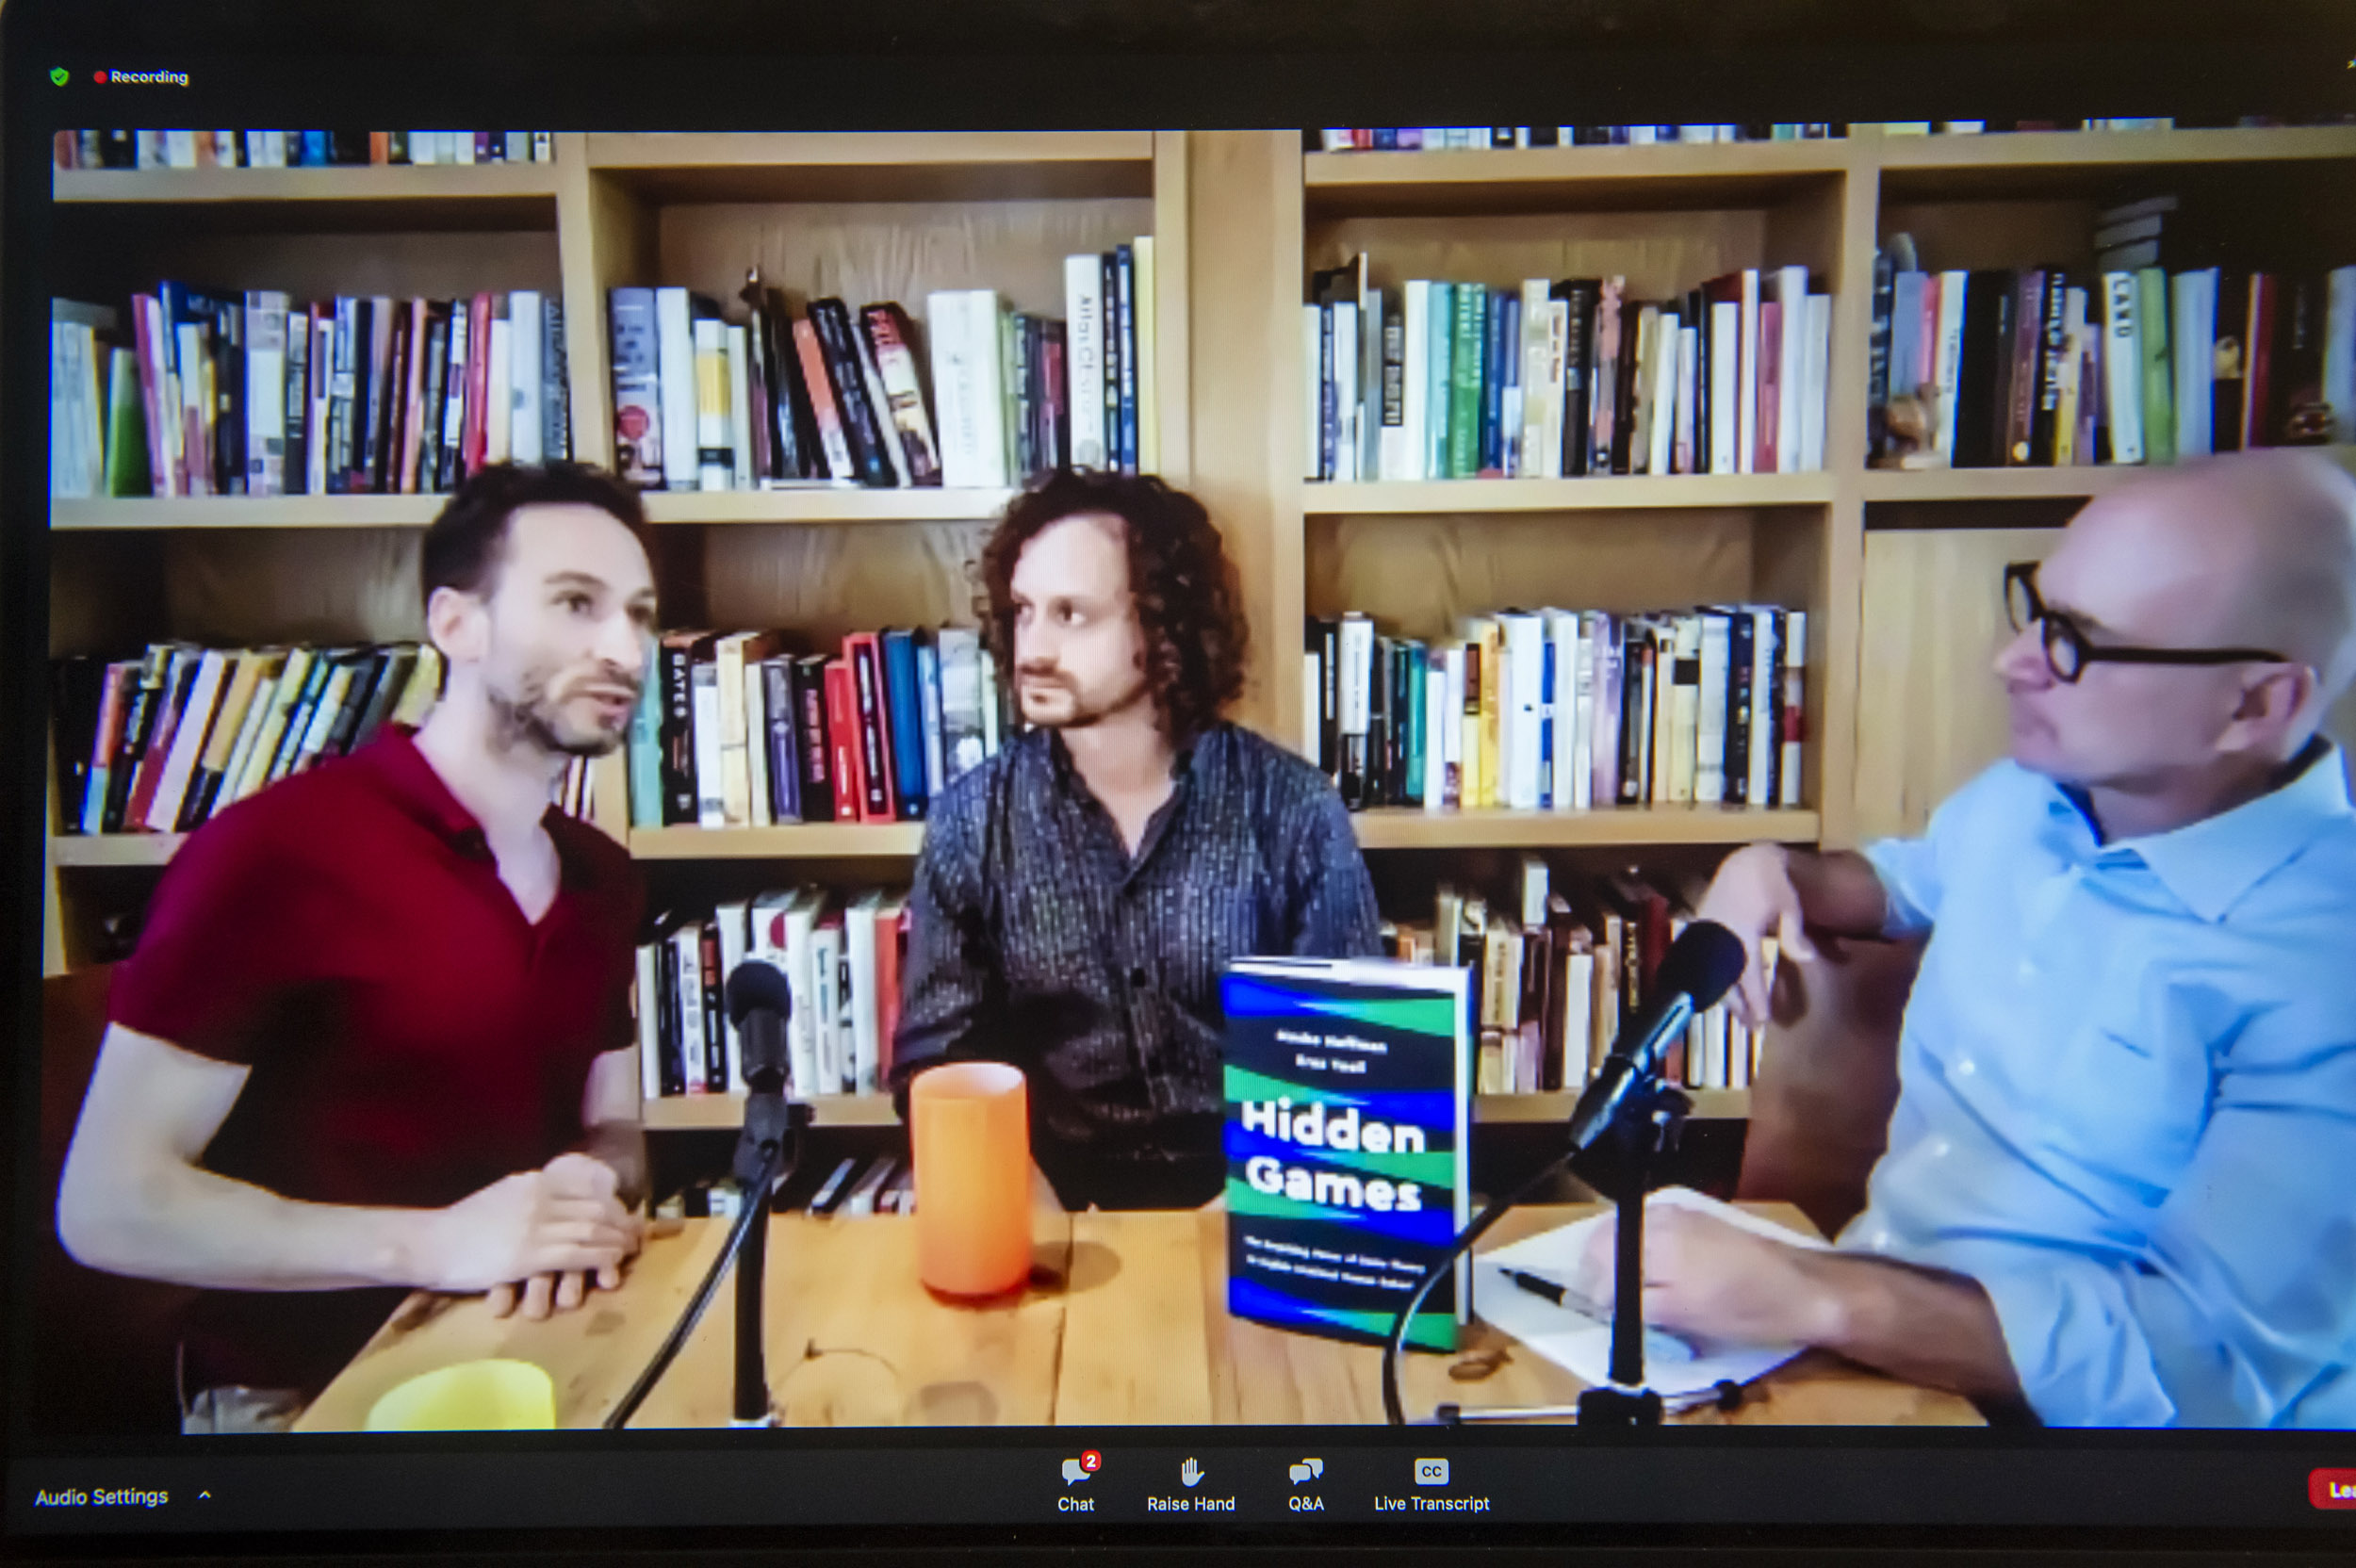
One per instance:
(1418, 666)
(646, 752)
(1347, 1117)
(904, 710)
(1439, 377)
(1124, 266)
(1493, 365)
(783, 713)
(1548, 697)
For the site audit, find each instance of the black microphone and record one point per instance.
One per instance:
(1700, 966)
(759, 1003)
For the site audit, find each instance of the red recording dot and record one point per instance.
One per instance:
(102, 79)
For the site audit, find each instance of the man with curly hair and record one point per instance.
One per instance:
(1079, 892)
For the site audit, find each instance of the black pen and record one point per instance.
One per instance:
(1561, 1295)
(1659, 1344)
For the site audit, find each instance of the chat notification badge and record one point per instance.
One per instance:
(1078, 1470)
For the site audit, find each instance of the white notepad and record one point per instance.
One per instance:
(1580, 1341)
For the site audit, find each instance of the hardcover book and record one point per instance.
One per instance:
(1347, 1105)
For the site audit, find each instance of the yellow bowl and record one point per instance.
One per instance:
(473, 1396)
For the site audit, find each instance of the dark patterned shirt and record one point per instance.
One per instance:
(1037, 940)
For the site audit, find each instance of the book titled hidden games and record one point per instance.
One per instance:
(1348, 1087)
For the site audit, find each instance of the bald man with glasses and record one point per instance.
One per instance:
(2120, 1182)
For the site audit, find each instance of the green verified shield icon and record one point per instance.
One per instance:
(58, 73)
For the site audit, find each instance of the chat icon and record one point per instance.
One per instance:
(1074, 1472)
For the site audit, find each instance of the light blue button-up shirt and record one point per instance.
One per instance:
(2127, 1100)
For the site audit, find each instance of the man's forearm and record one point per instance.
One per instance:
(1839, 892)
(1921, 1325)
(192, 1227)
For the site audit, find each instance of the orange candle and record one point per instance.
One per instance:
(970, 1140)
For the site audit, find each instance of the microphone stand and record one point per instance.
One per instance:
(772, 1126)
(1647, 1118)
(773, 1129)
(1649, 1125)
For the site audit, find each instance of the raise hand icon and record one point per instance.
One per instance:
(1190, 1473)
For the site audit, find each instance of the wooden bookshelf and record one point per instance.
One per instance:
(482, 195)
(1898, 626)
(209, 513)
(1634, 826)
(2016, 158)
(1554, 179)
(824, 504)
(72, 851)
(796, 841)
(726, 1112)
(1613, 493)
(2013, 484)
(1708, 1105)
(697, 166)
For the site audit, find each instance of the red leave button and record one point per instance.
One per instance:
(2331, 1488)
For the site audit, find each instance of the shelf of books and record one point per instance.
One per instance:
(1600, 493)
(829, 504)
(1550, 470)
(1636, 826)
(805, 840)
(726, 1112)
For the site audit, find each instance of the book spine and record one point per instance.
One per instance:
(704, 707)
(2154, 322)
(871, 461)
(1465, 367)
(1603, 378)
(637, 388)
(1741, 666)
(1792, 710)
(1124, 274)
(675, 662)
(737, 344)
(820, 790)
(781, 738)
(833, 442)
(888, 336)
(675, 365)
(903, 718)
(862, 655)
(646, 751)
(1084, 312)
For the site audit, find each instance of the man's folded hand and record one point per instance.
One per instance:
(540, 1237)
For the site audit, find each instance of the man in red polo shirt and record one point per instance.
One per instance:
(375, 1035)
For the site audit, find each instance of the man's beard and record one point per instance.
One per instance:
(531, 718)
(1081, 714)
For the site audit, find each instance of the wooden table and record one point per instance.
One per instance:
(1125, 1323)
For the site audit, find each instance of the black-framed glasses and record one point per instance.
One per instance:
(2069, 651)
